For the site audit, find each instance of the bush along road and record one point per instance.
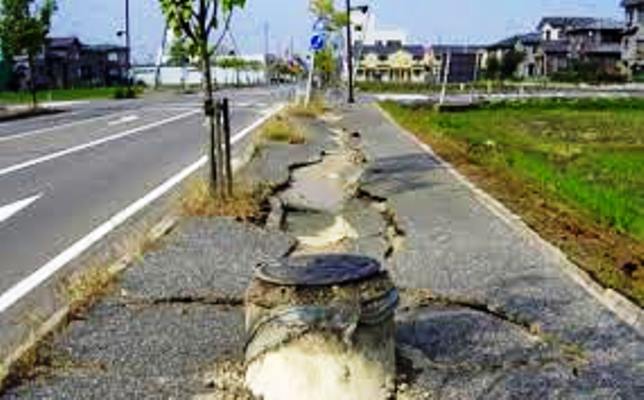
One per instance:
(487, 311)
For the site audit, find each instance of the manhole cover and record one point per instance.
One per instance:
(318, 270)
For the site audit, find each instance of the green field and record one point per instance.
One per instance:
(24, 97)
(587, 155)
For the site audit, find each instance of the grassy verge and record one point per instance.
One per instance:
(571, 168)
(61, 95)
(281, 128)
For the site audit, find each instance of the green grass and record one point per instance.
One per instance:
(58, 95)
(587, 153)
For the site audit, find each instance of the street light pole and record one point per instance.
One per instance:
(350, 53)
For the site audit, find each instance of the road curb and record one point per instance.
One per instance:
(629, 312)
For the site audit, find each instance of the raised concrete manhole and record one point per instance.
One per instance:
(321, 327)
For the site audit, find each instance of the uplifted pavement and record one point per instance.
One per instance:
(487, 313)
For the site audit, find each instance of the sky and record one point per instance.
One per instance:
(426, 21)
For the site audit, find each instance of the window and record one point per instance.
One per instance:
(358, 28)
(112, 57)
(548, 35)
(360, 72)
(382, 57)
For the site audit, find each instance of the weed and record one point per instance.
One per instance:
(85, 287)
(245, 203)
(316, 107)
(282, 129)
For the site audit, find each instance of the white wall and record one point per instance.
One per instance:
(172, 76)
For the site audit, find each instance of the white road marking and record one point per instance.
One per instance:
(10, 210)
(54, 128)
(124, 120)
(22, 288)
(62, 153)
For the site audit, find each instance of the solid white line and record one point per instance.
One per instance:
(57, 127)
(94, 143)
(15, 293)
(9, 210)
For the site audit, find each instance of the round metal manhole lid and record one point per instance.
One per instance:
(318, 270)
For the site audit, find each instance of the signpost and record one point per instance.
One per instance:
(317, 43)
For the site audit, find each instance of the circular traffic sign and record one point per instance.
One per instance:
(317, 42)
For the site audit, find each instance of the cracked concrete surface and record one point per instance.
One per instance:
(485, 314)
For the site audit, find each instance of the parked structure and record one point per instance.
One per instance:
(458, 63)
(633, 42)
(66, 63)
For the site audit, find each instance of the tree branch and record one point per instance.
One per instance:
(220, 40)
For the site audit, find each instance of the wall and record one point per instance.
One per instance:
(172, 76)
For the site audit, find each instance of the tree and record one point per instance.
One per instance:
(24, 26)
(326, 9)
(493, 68)
(235, 63)
(510, 63)
(197, 21)
(179, 53)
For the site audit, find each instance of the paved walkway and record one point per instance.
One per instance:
(459, 249)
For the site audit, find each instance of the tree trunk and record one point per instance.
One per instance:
(215, 153)
(32, 81)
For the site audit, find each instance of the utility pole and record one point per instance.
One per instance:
(350, 53)
(128, 44)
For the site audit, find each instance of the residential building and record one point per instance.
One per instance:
(598, 42)
(561, 41)
(393, 62)
(66, 62)
(555, 28)
(461, 63)
(633, 42)
(526, 44)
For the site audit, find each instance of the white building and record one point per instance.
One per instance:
(365, 31)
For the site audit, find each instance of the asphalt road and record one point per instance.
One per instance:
(63, 175)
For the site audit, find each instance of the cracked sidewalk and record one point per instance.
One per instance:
(485, 314)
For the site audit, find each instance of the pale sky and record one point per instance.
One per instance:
(426, 21)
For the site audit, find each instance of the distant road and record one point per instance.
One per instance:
(63, 175)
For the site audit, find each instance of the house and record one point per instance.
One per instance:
(462, 63)
(633, 41)
(555, 28)
(598, 42)
(392, 62)
(561, 41)
(526, 44)
(66, 62)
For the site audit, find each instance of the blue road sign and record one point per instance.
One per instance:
(317, 42)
